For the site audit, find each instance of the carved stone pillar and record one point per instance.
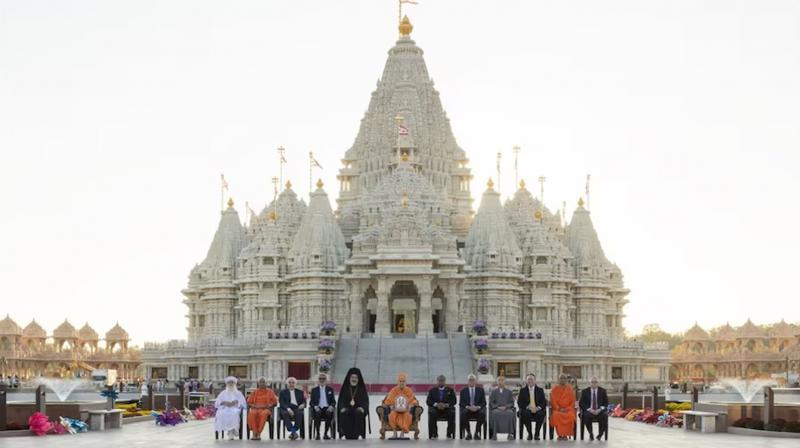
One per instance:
(451, 318)
(425, 326)
(382, 310)
(356, 310)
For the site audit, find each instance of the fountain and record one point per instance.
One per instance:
(63, 388)
(747, 389)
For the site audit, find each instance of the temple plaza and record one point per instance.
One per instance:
(623, 434)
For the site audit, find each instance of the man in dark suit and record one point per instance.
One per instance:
(472, 404)
(323, 405)
(532, 404)
(441, 403)
(594, 405)
(291, 403)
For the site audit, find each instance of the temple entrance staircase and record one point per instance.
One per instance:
(423, 359)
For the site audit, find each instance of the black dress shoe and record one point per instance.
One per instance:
(591, 436)
(326, 437)
(468, 437)
(536, 438)
(477, 437)
(530, 437)
(317, 437)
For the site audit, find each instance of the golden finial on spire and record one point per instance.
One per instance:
(522, 184)
(538, 215)
(404, 157)
(405, 27)
(580, 201)
(319, 184)
(288, 184)
(490, 184)
(273, 216)
(230, 202)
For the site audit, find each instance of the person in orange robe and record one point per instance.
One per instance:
(260, 403)
(562, 408)
(400, 418)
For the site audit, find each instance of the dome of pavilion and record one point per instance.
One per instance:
(87, 333)
(783, 330)
(116, 333)
(750, 330)
(9, 327)
(725, 333)
(34, 330)
(65, 331)
(696, 334)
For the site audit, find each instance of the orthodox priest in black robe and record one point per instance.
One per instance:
(353, 406)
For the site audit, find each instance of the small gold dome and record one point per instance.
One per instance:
(522, 184)
(405, 27)
(319, 183)
(230, 202)
(580, 202)
(490, 184)
(404, 157)
(288, 184)
(538, 215)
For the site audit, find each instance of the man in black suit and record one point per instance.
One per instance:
(291, 403)
(472, 404)
(594, 406)
(441, 403)
(532, 404)
(323, 405)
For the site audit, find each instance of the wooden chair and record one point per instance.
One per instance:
(583, 427)
(467, 420)
(312, 426)
(242, 425)
(281, 429)
(383, 415)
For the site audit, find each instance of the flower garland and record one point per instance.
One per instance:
(40, 425)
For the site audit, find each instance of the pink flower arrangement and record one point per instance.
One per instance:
(39, 424)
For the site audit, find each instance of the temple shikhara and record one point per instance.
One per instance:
(403, 273)
(67, 352)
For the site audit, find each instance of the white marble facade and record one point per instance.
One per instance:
(404, 253)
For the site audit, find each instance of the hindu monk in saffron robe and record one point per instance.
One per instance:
(260, 403)
(400, 399)
(562, 408)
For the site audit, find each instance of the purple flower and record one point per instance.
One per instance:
(494, 335)
(513, 335)
(484, 365)
(328, 325)
(479, 326)
(326, 344)
(481, 344)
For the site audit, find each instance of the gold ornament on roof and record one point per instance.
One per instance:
(490, 184)
(230, 202)
(319, 183)
(404, 157)
(405, 27)
(580, 202)
(522, 184)
(288, 184)
(538, 215)
(273, 216)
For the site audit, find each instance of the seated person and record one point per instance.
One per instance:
(472, 405)
(292, 402)
(229, 405)
(502, 414)
(400, 400)
(532, 404)
(562, 408)
(593, 404)
(260, 403)
(323, 404)
(353, 404)
(441, 404)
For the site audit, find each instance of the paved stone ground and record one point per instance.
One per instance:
(200, 433)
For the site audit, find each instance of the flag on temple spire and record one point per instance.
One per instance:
(402, 129)
(224, 182)
(313, 161)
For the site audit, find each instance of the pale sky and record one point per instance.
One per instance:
(117, 118)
